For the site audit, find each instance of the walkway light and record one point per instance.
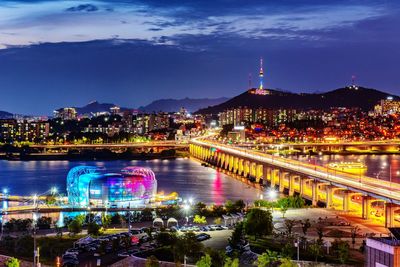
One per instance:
(272, 194)
(5, 191)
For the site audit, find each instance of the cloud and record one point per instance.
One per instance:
(46, 21)
(83, 7)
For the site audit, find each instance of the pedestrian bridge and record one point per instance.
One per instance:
(316, 183)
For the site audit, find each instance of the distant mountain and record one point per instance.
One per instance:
(95, 106)
(361, 97)
(173, 105)
(5, 115)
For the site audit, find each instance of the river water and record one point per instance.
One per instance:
(184, 176)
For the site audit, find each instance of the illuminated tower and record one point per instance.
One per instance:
(261, 74)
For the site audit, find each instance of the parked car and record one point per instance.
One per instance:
(123, 254)
(202, 237)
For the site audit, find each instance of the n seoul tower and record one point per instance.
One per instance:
(261, 75)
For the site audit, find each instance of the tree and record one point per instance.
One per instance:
(199, 219)
(315, 250)
(289, 224)
(93, 228)
(237, 235)
(75, 226)
(166, 239)
(305, 225)
(230, 207)
(217, 221)
(106, 220)
(258, 223)
(44, 222)
(200, 208)
(341, 249)
(186, 245)
(205, 261)
(287, 263)
(320, 232)
(283, 204)
(268, 258)
(240, 205)
(288, 250)
(296, 202)
(12, 262)
(354, 232)
(152, 261)
(231, 263)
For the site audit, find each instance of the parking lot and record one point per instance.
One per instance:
(109, 249)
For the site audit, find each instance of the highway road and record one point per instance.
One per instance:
(378, 188)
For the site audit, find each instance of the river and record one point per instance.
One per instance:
(184, 176)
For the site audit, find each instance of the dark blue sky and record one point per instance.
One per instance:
(68, 53)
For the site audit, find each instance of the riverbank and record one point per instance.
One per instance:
(91, 155)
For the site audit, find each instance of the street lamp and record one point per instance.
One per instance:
(272, 194)
(53, 190)
(384, 164)
(34, 216)
(186, 208)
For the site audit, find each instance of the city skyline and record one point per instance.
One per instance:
(68, 53)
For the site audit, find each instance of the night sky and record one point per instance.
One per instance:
(68, 53)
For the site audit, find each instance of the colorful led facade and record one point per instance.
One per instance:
(87, 185)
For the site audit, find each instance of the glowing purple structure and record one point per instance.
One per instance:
(132, 186)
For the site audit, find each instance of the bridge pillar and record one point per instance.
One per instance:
(292, 179)
(246, 169)
(231, 163)
(346, 200)
(236, 165)
(259, 173)
(266, 174)
(282, 176)
(389, 214)
(329, 196)
(366, 206)
(241, 167)
(303, 184)
(253, 171)
(315, 193)
(274, 175)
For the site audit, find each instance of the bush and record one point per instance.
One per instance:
(93, 228)
(152, 261)
(44, 222)
(75, 226)
(12, 262)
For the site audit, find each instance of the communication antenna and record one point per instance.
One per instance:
(250, 80)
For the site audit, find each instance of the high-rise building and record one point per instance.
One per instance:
(66, 113)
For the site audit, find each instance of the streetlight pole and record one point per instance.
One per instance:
(35, 248)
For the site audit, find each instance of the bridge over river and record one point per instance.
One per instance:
(317, 183)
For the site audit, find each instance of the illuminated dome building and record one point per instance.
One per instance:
(88, 185)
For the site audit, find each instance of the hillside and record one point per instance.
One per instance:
(5, 115)
(173, 105)
(364, 98)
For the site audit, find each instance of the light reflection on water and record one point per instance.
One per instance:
(184, 176)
